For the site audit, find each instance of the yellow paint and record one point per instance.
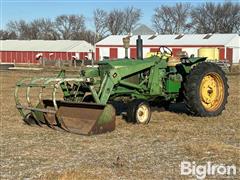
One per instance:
(210, 53)
(150, 54)
(212, 91)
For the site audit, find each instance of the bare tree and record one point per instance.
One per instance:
(100, 22)
(211, 18)
(115, 22)
(70, 26)
(45, 29)
(88, 36)
(171, 19)
(230, 18)
(22, 29)
(4, 35)
(37, 29)
(131, 17)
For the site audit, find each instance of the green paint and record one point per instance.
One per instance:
(37, 114)
(106, 115)
(173, 86)
(143, 79)
(90, 72)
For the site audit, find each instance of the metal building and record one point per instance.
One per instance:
(227, 46)
(26, 51)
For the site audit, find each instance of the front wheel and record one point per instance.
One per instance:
(206, 90)
(139, 112)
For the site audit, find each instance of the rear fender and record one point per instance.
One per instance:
(187, 64)
(193, 60)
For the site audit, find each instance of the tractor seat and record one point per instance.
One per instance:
(174, 60)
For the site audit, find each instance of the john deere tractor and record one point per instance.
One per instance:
(86, 104)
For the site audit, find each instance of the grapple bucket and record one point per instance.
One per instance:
(79, 118)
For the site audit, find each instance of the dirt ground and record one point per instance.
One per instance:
(152, 151)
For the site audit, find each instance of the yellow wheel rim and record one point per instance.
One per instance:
(212, 91)
(143, 113)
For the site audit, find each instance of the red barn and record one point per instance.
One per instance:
(227, 46)
(26, 51)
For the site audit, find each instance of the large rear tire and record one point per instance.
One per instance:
(206, 90)
(139, 112)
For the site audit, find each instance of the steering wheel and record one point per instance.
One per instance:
(165, 50)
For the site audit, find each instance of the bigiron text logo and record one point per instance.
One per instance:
(209, 169)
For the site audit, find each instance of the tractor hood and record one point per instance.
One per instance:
(128, 62)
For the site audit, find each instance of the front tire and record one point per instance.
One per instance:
(206, 90)
(139, 112)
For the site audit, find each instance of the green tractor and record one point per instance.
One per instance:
(87, 103)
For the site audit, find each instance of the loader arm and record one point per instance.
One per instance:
(120, 70)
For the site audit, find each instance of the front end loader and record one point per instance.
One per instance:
(86, 105)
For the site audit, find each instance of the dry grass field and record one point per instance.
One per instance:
(152, 151)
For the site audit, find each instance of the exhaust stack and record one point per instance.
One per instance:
(139, 43)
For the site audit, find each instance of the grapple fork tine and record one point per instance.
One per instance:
(61, 124)
(80, 118)
(51, 125)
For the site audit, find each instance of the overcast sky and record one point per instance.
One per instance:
(32, 9)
